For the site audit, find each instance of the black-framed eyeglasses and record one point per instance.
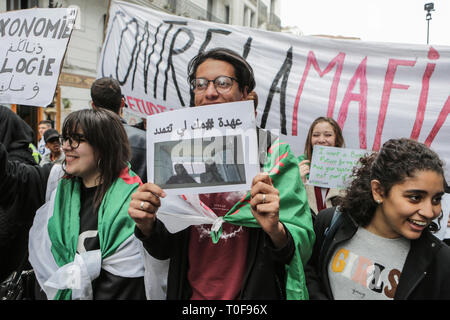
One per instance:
(74, 140)
(222, 84)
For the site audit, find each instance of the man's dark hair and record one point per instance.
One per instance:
(105, 133)
(242, 70)
(47, 122)
(106, 93)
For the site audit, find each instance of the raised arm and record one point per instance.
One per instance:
(22, 186)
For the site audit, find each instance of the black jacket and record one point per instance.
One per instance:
(425, 275)
(265, 276)
(138, 145)
(16, 209)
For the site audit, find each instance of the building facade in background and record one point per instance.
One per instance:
(84, 49)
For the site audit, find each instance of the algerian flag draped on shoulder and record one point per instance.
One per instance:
(178, 212)
(62, 272)
(282, 167)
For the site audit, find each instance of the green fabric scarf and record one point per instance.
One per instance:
(282, 167)
(114, 223)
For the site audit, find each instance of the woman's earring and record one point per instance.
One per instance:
(378, 201)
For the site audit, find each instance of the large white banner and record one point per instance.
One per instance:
(375, 91)
(34, 42)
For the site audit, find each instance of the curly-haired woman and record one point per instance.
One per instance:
(381, 245)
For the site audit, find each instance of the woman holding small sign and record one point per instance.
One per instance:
(324, 131)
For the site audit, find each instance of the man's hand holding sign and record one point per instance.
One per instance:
(265, 205)
(144, 205)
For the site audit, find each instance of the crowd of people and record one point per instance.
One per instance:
(85, 219)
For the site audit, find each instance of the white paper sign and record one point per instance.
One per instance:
(331, 167)
(203, 149)
(34, 42)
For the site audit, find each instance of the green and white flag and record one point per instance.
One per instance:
(62, 272)
(179, 212)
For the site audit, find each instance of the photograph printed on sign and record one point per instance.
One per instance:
(205, 149)
(213, 161)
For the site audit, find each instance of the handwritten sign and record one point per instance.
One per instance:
(203, 149)
(331, 167)
(34, 42)
(376, 91)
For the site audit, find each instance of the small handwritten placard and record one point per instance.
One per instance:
(331, 167)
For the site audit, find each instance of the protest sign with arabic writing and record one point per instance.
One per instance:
(204, 149)
(34, 42)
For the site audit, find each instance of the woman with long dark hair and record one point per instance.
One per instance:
(82, 243)
(380, 244)
(323, 131)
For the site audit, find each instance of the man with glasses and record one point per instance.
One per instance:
(53, 143)
(247, 263)
(230, 75)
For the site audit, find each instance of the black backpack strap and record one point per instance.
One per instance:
(329, 233)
